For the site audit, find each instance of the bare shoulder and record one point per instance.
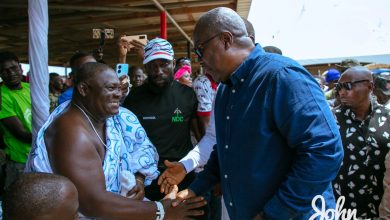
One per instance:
(67, 129)
(72, 153)
(67, 139)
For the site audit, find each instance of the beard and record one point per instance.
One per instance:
(160, 87)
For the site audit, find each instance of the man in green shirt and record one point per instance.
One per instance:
(15, 115)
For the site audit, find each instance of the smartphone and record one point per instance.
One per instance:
(141, 38)
(122, 69)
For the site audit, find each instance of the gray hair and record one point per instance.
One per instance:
(219, 20)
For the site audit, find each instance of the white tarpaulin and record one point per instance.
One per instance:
(38, 59)
(315, 29)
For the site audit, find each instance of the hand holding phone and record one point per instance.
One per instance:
(122, 69)
(140, 38)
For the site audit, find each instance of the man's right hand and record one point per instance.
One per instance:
(185, 209)
(183, 195)
(173, 175)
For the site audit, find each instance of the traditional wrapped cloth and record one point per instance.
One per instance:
(128, 148)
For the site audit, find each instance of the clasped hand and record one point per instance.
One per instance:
(138, 191)
(185, 205)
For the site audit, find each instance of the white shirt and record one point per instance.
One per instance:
(201, 152)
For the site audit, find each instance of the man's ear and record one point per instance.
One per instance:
(20, 67)
(371, 86)
(82, 88)
(227, 39)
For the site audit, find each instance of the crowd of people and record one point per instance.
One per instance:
(250, 135)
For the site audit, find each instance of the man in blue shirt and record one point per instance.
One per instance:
(76, 61)
(278, 146)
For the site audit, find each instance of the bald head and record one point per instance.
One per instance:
(357, 73)
(219, 20)
(88, 71)
(36, 195)
(221, 42)
(354, 89)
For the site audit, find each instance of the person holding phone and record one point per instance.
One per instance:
(125, 45)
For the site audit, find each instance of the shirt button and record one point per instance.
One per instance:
(230, 203)
(225, 176)
(226, 146)
(242, 80)
(227, 117)
(233, 91)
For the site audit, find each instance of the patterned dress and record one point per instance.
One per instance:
(366, 144)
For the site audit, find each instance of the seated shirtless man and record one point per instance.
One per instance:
(91, 140)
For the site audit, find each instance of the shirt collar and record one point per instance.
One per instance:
(374, 105)
(242, 72)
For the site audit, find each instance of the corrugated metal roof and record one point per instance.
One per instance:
(380, 58)
(71, 24)
(243, 7)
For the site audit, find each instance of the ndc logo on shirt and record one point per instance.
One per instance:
(177, 117)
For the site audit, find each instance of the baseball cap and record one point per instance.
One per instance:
(158, 48)
(332, 75)
(382, 82)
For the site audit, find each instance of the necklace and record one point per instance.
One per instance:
(90, 122)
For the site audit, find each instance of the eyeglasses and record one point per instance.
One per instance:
(199, 49)
(348, 85)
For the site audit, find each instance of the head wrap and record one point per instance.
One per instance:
(180, 72)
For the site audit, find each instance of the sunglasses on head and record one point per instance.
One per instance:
(348, 85)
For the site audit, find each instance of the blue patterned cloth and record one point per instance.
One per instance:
(128, 148)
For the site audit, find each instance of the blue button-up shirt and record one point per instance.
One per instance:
(65, 96)
(278, 145)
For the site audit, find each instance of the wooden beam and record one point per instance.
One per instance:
(83, 8)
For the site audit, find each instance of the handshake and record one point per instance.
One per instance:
(185, 199)
(175, 205)
(182, 205)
